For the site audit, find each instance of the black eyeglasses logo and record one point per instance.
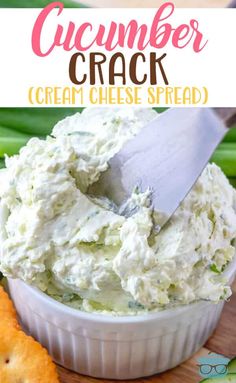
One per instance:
(220, 369)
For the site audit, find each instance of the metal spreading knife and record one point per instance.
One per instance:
(167, 156)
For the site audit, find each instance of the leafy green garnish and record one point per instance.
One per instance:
(37, 4)
(2, 163)
(135, 305)
(214, 268)
(81, 133)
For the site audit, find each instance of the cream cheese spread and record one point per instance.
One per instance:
(90, 254)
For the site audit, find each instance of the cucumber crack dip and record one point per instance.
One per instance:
(97, 257)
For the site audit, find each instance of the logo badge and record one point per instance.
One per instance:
(213, 365)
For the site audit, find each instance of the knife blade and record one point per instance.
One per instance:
(167, 157)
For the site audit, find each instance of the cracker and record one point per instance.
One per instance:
(7, 310)
(22, 359)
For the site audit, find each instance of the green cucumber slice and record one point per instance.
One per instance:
(230, 378)
(232, 366)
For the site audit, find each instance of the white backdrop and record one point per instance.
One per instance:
(213, 68)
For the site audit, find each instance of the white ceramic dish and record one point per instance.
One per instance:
(116, 347)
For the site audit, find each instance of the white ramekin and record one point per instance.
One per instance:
(116, 347)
